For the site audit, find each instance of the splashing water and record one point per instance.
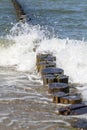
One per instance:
(71, 54)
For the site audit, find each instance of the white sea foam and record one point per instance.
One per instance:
(83, 91)
(71, 54)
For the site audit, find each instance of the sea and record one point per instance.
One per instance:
(56, 26)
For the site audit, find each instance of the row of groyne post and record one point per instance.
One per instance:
(54, 78)
(58, 85)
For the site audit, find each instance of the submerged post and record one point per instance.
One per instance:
(19, 10)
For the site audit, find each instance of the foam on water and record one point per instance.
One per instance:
(24, 38)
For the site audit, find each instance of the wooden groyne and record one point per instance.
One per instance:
(55, 79)
(57, 85)
(20, 11)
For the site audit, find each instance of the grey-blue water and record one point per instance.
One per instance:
(7, 16)
(68, 18)
(64, 18)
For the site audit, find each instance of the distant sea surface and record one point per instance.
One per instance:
(7, 16)
(64, 18)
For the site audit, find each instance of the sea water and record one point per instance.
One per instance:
(49, 19)
(58, 27)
